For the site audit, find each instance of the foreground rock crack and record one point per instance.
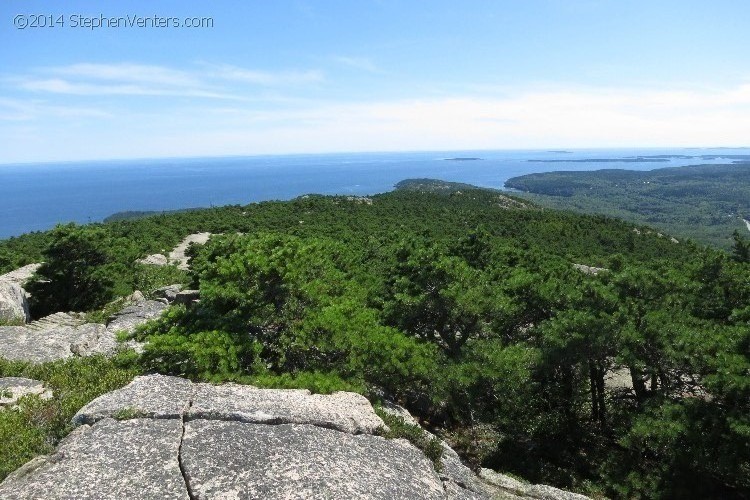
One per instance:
(165, 437)
(180, 462)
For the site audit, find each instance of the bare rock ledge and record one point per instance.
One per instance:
(165, 437)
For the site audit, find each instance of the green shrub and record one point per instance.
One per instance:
(148, 278)
(399, 428)
(36, 424)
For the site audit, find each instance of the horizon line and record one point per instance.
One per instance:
(328, 153)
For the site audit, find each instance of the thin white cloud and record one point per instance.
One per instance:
(361, 63)
(127, 79)
(16, 110)
(265, 78)
(61, 86)
(530, 118)
(128, 72)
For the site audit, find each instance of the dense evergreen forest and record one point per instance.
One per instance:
(703, 202)
(631, 380)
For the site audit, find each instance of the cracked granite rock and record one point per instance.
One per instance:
(199, 441)
(133, 459)
(343, 411)
(241, 460)
(153, 396)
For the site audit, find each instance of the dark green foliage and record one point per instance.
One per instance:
(75, 273)
(467, 309)
(741, 248)
(148, 278)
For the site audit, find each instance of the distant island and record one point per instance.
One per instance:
(560, 151)
(462, 158)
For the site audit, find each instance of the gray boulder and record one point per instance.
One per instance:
(515, 487)
(62, 335)
(94, 339)
(18, 343)
(132, 316)
(14, 307)
(168, 292)
(187, 297)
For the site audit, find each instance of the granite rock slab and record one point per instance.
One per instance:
(240, 460)
(132, 459)
(152, 396)
(343, 411)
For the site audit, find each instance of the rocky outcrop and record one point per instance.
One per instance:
(113, 459)
(156, 259)
(133, 315)
(185, 440)
(513, 488)
(590, 269)
(57, 320)
(14, 388)
(19, 343)
(63, 335)
(21, 275)
(14, 307)
(167, 294)
(187, 297)
(166, 437)
(177, 255)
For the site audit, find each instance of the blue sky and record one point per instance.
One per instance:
(303, 76)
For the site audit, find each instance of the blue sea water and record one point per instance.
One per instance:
(37, 196)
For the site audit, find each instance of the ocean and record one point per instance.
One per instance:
(35, 197)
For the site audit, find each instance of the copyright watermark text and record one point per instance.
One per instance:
(93, 22)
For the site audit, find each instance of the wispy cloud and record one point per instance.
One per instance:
(361, 63)
(265, 78)
(532, 117)
(208, 81)
(62, 86)
(24, 110)
(128, 72)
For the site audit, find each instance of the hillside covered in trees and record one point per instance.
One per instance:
(576, 350)
(706, 203)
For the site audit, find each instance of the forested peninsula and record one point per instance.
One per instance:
(706, 203)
